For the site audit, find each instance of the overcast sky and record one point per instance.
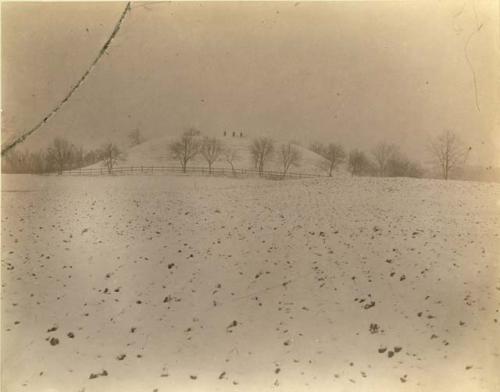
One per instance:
(350, 72)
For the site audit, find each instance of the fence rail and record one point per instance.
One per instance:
(161, 170)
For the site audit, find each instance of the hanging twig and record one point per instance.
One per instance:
(74, 88)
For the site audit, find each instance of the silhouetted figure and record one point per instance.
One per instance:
(224, 133)
(241, 134)
(234, 134)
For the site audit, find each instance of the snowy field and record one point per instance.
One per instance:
(218, 284)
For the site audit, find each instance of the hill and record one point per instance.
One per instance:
(155, 152)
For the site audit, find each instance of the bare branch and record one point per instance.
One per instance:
(382, 154)
(448, 153)
(230, 156)
(289, 155)
(186, 148)
(110, 154)
(261, 151)
(211, 149)
(333, 155)
(358, 163)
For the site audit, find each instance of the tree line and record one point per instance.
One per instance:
(447, 152)
(63, 155)
(385, 160)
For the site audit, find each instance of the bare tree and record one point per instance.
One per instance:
(333, 154)
(41, 161)
(135, 137)
(230, 156)
(400, 166)
(358, 163)
(15, 161)
(60, 154)
(38, 162)
(186, 148)
(289, 155)
(382, 154)
(211, 148)
(448, 153)
(261, 150)
(77, 159)
(110, 154)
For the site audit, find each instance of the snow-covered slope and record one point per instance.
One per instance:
(155, 153)
(220, 284)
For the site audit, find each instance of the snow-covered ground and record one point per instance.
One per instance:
(218, 284)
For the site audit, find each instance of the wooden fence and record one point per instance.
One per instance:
(162, 170)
